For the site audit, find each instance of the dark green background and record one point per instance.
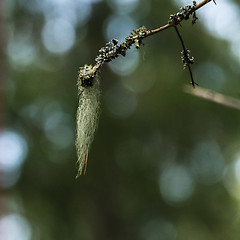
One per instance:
(163, 163)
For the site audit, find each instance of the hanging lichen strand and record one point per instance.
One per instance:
(89, 94)
(88, 82)
(87, 114)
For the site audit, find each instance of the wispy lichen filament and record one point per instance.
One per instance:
(87, 114)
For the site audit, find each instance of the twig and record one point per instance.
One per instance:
(186, 59)
(213, 97)
(112, 50)
(157, 30)
(195, 8)
(201, 4)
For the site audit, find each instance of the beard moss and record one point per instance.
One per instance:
(87, 116)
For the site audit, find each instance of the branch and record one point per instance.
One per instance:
(187, 60)
(88, 84)
(213, 97)
(194, 8)
(112, 50)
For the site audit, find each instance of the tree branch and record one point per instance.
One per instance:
(187, 60)
(112, 50)
(162, 28)
(88, 84)
(213, 97)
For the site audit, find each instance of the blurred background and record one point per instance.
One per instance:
(164, 165)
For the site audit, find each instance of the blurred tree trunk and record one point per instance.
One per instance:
(2, 63)
(2, 90)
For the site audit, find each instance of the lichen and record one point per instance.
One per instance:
(86, 76)
(87, 118)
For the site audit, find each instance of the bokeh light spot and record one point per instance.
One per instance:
(58, 129)
(118, 26)
(21, 50)
(207, 162)
(14, 227)
(58, 35)
(124, 66)
(125, 6)
(210, 75)
(231, 180)
(176, 184)
(13, 149)
(237, 170)
(139, 84)
(75, 12)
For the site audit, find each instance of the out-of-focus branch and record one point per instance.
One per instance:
(213, 97)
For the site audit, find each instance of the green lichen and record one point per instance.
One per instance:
(86, 76)
(136, 37)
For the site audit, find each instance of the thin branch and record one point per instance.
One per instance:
(112, 50)
(195, 8)
(180, 37)
(213, 97)
(201, 4)
(157, 30)
(186, 59)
